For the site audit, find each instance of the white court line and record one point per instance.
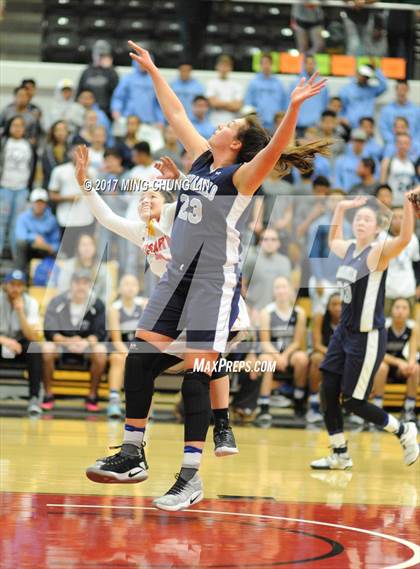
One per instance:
(412, 562)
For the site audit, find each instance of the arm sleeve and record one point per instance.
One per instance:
(382, 86)
(134, 231)
(22, 232)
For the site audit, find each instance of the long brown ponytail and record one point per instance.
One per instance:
(254, 138)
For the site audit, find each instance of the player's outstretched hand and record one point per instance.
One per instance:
(82, 163)
(167, 168)
(142, 56)
(306, 89)
(414, 198)
(358, 201)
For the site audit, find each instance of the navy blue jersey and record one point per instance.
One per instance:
(210, 219)
(128, 320)
(397, 345)
(362, 292)
(282, 329)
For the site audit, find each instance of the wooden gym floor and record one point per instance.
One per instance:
(263, 508)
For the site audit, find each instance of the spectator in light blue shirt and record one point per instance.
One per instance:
(266, 94)
(372, 146)
(87, 99)
(360, 94)
(346, 165)
(186, 88)
(200, 111)
(401, 127)
(135, 95)
(37, 232)
(310, 115)
(401, 107)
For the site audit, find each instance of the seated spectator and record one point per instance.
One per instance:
(19, 321)
(282, 338)
(401, 127)
(309, 114)
(73, 215)
(368, 182)
(125, 144)
(401, 279)
(400, 363)
(15, 179)
(55, 151)
(328, 128)
(266, 93)
(383, 194)
(100, 76)
(63, 107)
(143, 163)
(398, 171)
(401, 107)
(372, 147)
(85, 134)
(171, 147)
(135, 95)
(37, 233)
(359, 96)
(97, 151)
(21, 108)
(186, 87)
(308, 21)
(335, 104)
(323, 327)
(87, 259)
(262, 266)
(74, 328)
(224, 94)
(87, 99)
(123, 318)
(346, 165)
(199, 118)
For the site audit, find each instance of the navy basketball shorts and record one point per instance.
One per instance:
(206, 305)
(356, 357)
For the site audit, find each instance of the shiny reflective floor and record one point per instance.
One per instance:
(263, 508)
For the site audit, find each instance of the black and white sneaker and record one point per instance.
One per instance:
(119, 468)
(224, 440)
(264, 420)
(183, 494)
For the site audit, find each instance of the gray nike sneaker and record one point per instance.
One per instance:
(182, 495)
(34, 407)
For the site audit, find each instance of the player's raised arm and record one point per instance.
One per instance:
(382, 253)
(172, 108)
(250, 176)
(336, 242)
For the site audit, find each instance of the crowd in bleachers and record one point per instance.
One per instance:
(44, 216)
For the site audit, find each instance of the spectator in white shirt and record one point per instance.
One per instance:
(97, 150)
(73, 215)
(224, 94)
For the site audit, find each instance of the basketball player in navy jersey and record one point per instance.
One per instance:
(200, 288)
(358, 344)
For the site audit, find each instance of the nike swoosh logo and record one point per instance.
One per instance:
(193, 500)
(131, 474)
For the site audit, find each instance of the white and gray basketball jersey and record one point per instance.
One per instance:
(282, 327)
(129, 320)
(401, 177)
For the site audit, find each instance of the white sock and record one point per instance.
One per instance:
(378, 401)
(192, 457)
(338, 440)
(409, 404)
(114, 395)
(133, 435)
(393, 424)
(298, 393)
